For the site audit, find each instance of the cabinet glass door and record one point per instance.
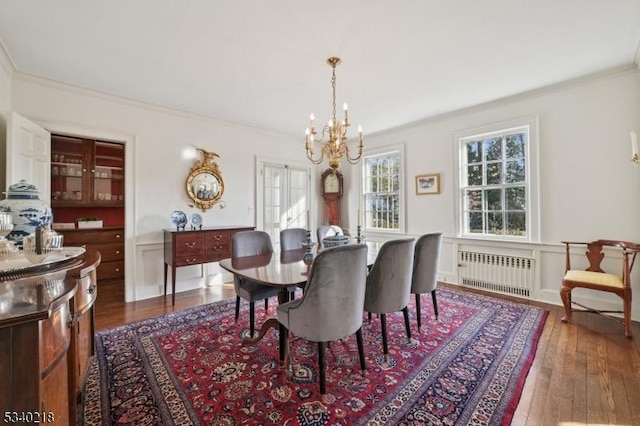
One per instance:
(67, 171)
(108, 178)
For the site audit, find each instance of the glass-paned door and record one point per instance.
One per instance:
(285, 199)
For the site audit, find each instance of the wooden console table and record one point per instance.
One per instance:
(187, 248)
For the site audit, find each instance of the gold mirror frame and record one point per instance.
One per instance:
(204, 183)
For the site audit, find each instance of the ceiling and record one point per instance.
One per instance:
(263, 63)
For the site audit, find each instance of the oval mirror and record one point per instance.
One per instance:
(204, 183)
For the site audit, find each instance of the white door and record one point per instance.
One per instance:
(29, 154)
(285, 199)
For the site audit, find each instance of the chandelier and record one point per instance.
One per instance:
(334, 133)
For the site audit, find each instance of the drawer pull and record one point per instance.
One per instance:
(117, 235)
(191, 244)
(192, 261)
(117, 251)
(91, 289)
(217, 237)
(117, 269)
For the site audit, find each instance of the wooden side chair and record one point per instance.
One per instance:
(595, 278)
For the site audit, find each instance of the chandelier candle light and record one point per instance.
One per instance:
(335, 132)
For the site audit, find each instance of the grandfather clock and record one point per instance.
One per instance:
(331, 181)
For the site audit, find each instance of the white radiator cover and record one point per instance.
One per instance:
(499, 273)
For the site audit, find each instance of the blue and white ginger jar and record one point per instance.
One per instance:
(26, 209)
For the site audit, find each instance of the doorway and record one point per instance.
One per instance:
(283, 198)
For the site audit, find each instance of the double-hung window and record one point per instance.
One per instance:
(383, 187)
(498, 183)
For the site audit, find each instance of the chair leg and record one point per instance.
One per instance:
(435, 303)
(565, 295)
(266, 305)
(363, 362)
(252, 317)
(237, 307)
(383, 321)
(418, 314)
(405, 311)
(627, 313)
(321, 367)
(369, 313)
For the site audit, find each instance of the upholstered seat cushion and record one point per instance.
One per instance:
(252, 291)
(597, 278)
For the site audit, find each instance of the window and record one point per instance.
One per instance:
(498, 191)
(383, 184)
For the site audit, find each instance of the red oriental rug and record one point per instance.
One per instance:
(189, 368)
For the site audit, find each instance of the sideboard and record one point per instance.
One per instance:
(46, 341)
(195, 247)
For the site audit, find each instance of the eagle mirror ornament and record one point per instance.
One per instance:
(204, 183)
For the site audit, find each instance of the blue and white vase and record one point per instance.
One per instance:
(26, 209)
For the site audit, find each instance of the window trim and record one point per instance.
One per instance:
(532, 173)
(377, 152)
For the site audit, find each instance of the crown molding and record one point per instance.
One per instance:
(557, 87)
(78, 90)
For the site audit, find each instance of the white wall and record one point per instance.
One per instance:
(6, 73)
(156, 170)
(589, 187)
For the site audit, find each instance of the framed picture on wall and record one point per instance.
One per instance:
(428, 184)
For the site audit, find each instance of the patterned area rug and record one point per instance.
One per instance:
(189, 368)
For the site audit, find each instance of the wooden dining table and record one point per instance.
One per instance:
(282, 270)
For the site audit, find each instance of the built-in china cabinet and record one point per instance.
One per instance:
(87, 198)
(86, 173)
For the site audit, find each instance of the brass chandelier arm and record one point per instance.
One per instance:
(353, 160)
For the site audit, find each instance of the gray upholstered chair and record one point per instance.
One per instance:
(425, 270)
(292, 238)
(251, 243)
(331, 307)
(325, 231)
(389, 283)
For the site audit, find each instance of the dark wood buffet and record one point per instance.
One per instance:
(195, 247)
(109, 242)
(46, 341)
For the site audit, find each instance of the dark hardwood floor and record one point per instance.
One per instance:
(586, 372)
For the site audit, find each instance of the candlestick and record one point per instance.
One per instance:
(358, 217)
(634, 148)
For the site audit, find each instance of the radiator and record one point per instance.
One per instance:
(499, 273)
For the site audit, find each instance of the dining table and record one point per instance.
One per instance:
(282, 270)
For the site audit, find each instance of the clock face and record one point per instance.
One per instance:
(331, 184)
